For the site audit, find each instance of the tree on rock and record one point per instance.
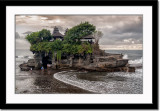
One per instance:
(74, 34)
(97, 35)
(33, 38)
(36, 37)
(96, 50)
(45, 35)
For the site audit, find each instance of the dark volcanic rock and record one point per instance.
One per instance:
(111, 63)
(38, 66)
(24, 67)
(106, 64)
(122, 62)
(31, 63)
(111, 69)
(114, 63)
(131, 69)
(107, 59)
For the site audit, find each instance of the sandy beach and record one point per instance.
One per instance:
(79, 81)
(43, 82)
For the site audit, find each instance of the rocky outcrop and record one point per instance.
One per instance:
(108, 59)
(131, 69)
(107, 69)
(116, 56)
(110, 63)
(31, 64)
(106, 62)
(24, 67)
(37, 65)
(121, 62)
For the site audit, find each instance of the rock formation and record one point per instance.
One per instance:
(108, 63)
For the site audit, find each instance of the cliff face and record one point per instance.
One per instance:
(108, 63)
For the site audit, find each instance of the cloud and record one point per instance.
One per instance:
(117, 29)
(129, 27)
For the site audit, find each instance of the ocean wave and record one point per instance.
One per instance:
(20, 56)
(136, 61)
(29, 57)
(21, 61)
(112, 83)
(125, 56)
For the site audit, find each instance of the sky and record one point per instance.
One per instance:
(120, 32)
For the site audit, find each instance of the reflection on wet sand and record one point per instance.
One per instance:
(42, 81)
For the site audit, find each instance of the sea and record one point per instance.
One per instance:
(96, 82)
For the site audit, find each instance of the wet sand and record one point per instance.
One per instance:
(43, 82)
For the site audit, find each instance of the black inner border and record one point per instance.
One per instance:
(154, 5)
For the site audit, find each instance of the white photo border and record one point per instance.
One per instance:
(12, 98)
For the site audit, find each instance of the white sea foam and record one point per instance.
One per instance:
(20, 56)
(112, 83)
(125, 56)
(136, 61)
(29, 57)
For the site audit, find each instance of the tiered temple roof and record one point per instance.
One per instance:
(57, 34)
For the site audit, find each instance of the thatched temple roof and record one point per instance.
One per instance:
(56, 33)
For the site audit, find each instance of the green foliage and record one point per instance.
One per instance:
(53, 55)
(58, 55)
(45, 35)
(71, 44)
(61, 48)
(67, 48)
(85, 48)
(47, 46)
(33, 38)
(34, 48)
(74, 34)
(41, 36)
(57, 45)
(77, 49)
(71, 48)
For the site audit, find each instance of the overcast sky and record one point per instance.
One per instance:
(120, 32)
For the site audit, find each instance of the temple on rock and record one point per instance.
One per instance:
(57, 35)
(80, 50)
(89, 39)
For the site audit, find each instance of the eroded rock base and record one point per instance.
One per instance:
(110, 63)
